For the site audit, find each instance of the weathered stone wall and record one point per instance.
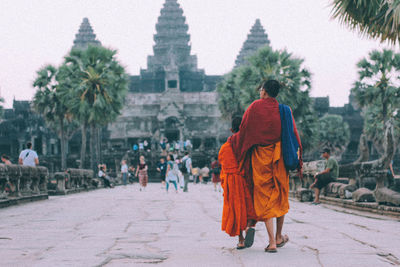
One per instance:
(74, 180)
(18, 181)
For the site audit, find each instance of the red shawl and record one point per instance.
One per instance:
(261, 125)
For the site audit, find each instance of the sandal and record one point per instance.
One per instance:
(249, 239)
(285, 239)
(270, 250)
(240, 246)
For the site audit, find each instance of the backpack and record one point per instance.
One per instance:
(183, 168)
(290, 145)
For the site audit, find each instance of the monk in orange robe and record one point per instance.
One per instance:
(258, 145)
(238, 210)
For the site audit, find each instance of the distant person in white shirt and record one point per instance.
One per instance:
(124, 171)
(28, 157)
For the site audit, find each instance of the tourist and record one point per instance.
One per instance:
(28, 157)
(102, 175)
(186, 169)
(146, 146)
(238, 211)
(215, 171)
(195, 173)
(188, 145)
(142, 171)
(204, 174)
(257, 147)
(135, 147)
(124, 171)
(163, 146)
(141, 146)
(171, 176)
(177, 170)
(162, 169)
(5, 159)
(330, 174)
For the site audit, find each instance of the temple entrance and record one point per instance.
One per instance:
(172, 135)
(172, 129)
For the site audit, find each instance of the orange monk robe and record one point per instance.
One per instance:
(238, 203)
(271, 182)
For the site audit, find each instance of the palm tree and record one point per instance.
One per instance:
(97, 85)
(333, 133)
(48, 102)
(377, 91)
(375, 18)
(229, 96)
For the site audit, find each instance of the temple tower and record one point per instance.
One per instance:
(256, 39)
(171, 49)
(85, 36)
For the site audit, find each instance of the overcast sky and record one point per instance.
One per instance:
(38, 32)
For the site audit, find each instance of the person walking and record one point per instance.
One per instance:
(124, 172)
(215, 171)
(141, 170)
(186, 169)
(162, 169)
(238, 211)
(28, 157)
(171, 176)
(258, 149)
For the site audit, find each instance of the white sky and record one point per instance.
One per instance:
(38, 32)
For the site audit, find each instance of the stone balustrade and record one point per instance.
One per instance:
(74, 180)
(22, 182)
(353, 184)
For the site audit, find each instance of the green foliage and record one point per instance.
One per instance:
(94, 85)
(229, 96)
(239, 88)
(374, 18)
(48, 99)
(377, 91)
(333, 133)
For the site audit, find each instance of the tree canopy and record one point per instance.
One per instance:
(377, 91)
(239, 88)
(378, 19)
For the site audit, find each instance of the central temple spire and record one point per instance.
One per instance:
(85, 36)
(256, 39)
(172, 40)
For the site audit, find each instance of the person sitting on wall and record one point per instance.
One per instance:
(5, 159)
(106, 179)
(28, 157)
(327, 176)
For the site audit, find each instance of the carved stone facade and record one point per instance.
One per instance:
(172, 98)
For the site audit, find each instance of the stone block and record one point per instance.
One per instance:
(304, 195)
(342, 180)
(346, 190)
(332, 189)
(385, 195)
(363, 195)
(60, 178)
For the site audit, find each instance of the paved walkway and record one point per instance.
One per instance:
(125, 227)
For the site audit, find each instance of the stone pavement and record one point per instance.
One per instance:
(125, 227)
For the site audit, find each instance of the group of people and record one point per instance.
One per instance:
(174, 170)
(253, 172)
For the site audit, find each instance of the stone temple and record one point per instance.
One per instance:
(172, 97)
